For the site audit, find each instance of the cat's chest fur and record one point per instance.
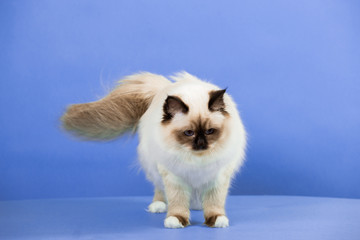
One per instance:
(195, 175)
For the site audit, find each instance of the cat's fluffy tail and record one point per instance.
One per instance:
(116, 113)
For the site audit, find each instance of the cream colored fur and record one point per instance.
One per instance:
(116, 113)
(183, 178)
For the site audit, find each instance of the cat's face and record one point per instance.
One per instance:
(192, 129)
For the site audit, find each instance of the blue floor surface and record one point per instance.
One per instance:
(251, 217)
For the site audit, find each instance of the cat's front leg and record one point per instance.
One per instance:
(158, 204)
(214, 202)
(178, 197)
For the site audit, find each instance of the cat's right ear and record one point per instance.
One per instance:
(172, 106)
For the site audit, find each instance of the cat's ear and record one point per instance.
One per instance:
(172, 106)
(216, 100)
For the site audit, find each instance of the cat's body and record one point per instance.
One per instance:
(192, 140)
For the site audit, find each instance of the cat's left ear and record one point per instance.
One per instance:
(216, 100)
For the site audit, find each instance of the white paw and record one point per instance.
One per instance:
(172, 222)
(157, 207)
(221, 222)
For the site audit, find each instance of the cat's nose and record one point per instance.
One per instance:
(200, 144)
(201, 147)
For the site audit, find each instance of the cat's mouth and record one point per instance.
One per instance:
(199, 149)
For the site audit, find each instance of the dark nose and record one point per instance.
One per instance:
(200, 143)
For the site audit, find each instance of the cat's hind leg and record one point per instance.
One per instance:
(158, 204)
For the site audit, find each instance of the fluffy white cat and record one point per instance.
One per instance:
(192, 140)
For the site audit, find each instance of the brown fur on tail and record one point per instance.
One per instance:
(116, 113)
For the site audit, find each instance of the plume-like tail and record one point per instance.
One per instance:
(116, 113)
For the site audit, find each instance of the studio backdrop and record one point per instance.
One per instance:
(293, 67)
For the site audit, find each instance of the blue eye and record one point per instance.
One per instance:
(210, 131)
(189, 133)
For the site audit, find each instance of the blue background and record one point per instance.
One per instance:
(293, 67)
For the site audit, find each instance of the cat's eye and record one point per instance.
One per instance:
(210, 131)
(189, 133)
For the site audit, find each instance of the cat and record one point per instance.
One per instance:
(191, 140)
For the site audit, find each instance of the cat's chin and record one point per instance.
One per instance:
(197, 152)
(200, 152)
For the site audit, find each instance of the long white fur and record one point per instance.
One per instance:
(198, 172)
(193, 179)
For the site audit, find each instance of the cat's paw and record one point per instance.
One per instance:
(218, 221)
(176, 222)
(157, 207)
(172, 222)
(221, 222)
